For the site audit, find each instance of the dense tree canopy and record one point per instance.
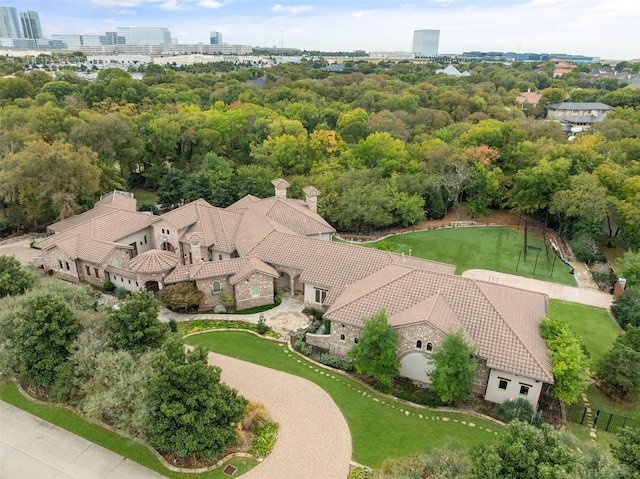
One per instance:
(205, 423)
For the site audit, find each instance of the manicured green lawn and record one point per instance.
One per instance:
(379, 429)
(144, 195)
(594, 325)
(103, 437)
(601, 401)
(496, 248)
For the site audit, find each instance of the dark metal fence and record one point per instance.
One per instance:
(603, 420)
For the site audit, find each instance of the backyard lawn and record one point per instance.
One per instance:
(143, 195)
(380, 428)
(496, 248)
(594, 325)
(103, 437)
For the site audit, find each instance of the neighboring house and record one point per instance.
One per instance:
(452, 71)
(530, 97)
(256, 248)
(578, 114)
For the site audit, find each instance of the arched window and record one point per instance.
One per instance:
(219, 257)
(255, 290)
(342, 337)
(216, 287)
(429, 347)
(116, 262)
(419, 344)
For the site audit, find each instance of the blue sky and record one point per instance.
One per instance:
(605, 28)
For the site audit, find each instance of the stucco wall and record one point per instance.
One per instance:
(310, 294)
(139, 238)
(514, 382)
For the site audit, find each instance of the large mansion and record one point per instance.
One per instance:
(256, 248)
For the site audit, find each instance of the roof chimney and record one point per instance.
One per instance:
(281, 187)
(311, 198)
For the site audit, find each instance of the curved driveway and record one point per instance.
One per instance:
(590, 297)
(314, 439)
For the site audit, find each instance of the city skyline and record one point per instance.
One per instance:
(603, 28)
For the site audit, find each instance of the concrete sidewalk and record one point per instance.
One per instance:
(589, 297)
(33, 448)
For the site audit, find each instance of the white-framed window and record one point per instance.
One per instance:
(419, 344)
(255, 290)
(524, 389)
(342, 337)
(216, 287)
(321, 295)
(503, 383)
(429, 347)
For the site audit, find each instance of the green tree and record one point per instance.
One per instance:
(352, 125)
(627, 451)
(569, 364)
(46, 330)
(14, 279)
(534, 187)
(628, 267)
(375, 352)
(60, 89)
(626, 308)
(134, 326)
(455, 369)
(190, 413)
(618, 370)
(171, 188)
(526, 452)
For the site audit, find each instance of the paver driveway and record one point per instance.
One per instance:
(314, 440)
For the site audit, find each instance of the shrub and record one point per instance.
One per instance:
(520, 410)
(173, 325)
(181, 296)
(361, 472)
(225, 299)
(314, 327)
(586, 249)
(262, 327)
(301, 346)
(265, 440)
(108, 286)
(277, 300)
(422, 398)
(32, 243)
(336, 362)
(121, 292)
(255, 417)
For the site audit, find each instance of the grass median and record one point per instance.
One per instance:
(380, 428)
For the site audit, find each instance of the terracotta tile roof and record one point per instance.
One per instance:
(211, 269)
(530, 97)
(95, 237)
(503, 322)
(121, 271)
(243, 203)
(74, 221)
(154, 261)
(206, 224)
(330, 264)
(253, 264)
(118, 199)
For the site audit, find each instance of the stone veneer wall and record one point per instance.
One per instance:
(409, 335)
(245, 300)
(50, 259)
(210, 300)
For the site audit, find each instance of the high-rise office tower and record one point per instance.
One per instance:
(31, 25)
(9, 23)
(425, 43)
(216, 38)
(145, 35)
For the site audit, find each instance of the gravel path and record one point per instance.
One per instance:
(313, 440)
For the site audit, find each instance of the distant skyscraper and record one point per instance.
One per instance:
(216, 38)
(9, 23)
(31, 25)
(145, 35)
(425, 43)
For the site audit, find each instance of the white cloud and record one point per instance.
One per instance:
(124, 11)
(291, 8)
(171, 5)
(210, 4)
(118, 3)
